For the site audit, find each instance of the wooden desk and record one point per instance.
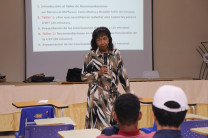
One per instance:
(200, 130)
(150, 100)
(53, 103)
(83, 133)
(197, 117)
(157, 79)
(75, 95)
(54, 121)
(146, 100)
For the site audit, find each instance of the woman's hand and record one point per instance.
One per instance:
(103, 70)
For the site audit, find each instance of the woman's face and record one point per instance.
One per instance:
(102, 42)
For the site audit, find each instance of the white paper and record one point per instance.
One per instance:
(43, 101)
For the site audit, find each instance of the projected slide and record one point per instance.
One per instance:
(67, 25)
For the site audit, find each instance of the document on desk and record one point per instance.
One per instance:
(43, 101)
(54, 121)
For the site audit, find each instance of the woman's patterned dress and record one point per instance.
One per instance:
(103, 90)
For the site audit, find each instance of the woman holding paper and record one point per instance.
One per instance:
(103, 68)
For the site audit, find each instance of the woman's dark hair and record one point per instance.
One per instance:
(98, 32)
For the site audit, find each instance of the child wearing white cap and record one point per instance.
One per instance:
(169, 107)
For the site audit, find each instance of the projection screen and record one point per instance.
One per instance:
(58, 33)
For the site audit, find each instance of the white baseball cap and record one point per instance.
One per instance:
(170, 93)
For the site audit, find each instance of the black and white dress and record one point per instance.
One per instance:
(103, 90)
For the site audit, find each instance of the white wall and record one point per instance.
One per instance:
(12, 39)
(179, 27)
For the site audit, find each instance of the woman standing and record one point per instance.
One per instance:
(103, 79)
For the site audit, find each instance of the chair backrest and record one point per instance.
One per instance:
(29, 114)
(112, 130)
(150, 74)
(149, 129)
(46, 131)
(187, 125)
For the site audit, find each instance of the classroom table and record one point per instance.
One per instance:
(150, 100)
(54, 121)
(200, 130)
(83, 133)
(75, 96)
(195, 117)
(53, 103)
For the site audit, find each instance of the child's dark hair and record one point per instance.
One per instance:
(166, 118)
(127, 108)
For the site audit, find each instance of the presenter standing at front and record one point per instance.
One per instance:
(103, 69)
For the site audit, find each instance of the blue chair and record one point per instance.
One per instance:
(150, 129)
(29, 114)
(187, 125)
(46, 131)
